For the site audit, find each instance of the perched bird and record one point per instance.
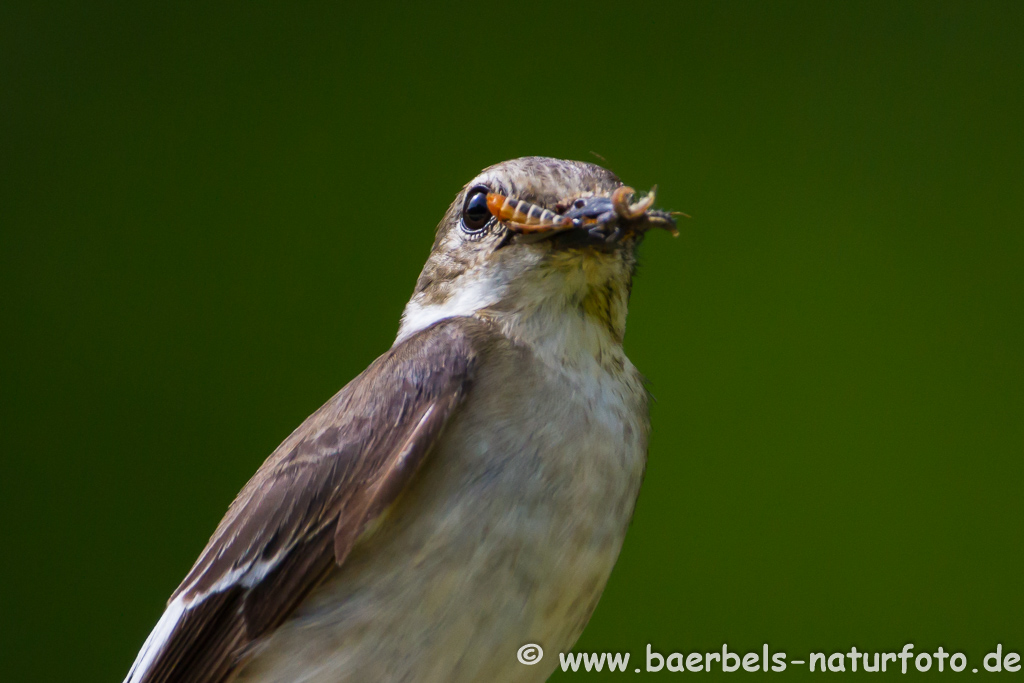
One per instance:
(469, 492)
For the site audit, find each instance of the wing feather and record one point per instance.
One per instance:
(301, 513)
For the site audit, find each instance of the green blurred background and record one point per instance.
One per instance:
(210, 219)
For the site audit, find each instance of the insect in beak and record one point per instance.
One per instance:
(526, 218)
(602, 219)
(640, 214)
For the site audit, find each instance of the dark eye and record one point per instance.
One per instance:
(475, 214)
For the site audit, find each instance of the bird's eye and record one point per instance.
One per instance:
(475, 214)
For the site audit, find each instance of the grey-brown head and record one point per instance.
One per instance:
(535, 236)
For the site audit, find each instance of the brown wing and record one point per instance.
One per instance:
(302, 511)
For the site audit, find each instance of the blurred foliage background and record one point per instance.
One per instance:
(211, 217)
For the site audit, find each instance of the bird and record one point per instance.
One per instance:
(466, 495)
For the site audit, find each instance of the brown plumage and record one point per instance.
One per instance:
(348, 461)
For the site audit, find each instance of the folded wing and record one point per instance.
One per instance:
(300, 514)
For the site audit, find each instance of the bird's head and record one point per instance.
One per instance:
(533, 239)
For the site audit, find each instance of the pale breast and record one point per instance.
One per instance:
(506, 537)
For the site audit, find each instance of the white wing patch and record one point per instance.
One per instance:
(156, 640)
(244, 576)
